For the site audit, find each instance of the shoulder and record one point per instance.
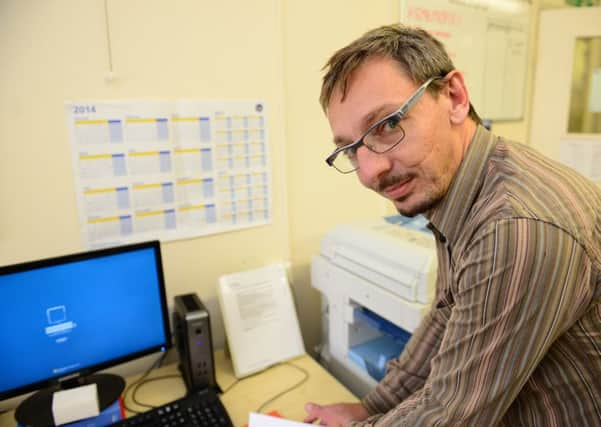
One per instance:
(520, 183)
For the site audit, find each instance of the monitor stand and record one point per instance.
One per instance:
(36, 410)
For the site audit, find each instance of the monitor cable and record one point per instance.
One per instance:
(157, 363)
(140, 383)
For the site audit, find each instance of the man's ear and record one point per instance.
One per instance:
(458, 95)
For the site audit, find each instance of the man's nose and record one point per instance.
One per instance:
(372, 165)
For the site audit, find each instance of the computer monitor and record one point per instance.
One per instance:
(70, 316)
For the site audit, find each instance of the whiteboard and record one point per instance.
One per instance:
(487, 41)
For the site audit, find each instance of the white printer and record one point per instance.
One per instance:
(378, 279)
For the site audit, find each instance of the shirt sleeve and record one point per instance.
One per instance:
(515, 291)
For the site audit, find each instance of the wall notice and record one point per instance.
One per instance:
(487, 41)
(168, 169)
(582, 154)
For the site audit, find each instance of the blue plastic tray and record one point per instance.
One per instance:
(372, 356)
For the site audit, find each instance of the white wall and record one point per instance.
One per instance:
(318, 196)
(56, 50)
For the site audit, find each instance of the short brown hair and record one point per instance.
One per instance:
(419, 55)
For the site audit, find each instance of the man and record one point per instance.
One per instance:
(514, 334)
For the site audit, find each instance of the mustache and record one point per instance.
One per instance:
(391, 180)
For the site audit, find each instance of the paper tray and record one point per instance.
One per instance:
(372, 319)
(372, 356)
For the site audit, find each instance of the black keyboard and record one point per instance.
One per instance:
(201, 408)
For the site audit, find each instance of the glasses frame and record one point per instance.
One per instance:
(401, 112)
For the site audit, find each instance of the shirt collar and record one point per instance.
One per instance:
(449, 215)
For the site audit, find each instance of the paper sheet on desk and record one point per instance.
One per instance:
(259, 420)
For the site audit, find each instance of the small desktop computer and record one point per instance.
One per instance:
(192, 334)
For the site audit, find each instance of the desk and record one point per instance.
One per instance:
(248, 394)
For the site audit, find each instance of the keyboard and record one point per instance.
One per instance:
(198, 409)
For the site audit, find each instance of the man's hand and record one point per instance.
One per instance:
(337, 415)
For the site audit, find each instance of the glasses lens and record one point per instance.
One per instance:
(346, 161)
(386, 135)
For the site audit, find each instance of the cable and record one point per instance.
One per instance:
(140, 383)
(108, 35)
(156, 363)
(143, 380)
(305, 378)
(229, 387)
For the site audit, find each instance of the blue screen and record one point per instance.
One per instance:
(62, 318)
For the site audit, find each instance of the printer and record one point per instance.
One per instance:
(377, 279)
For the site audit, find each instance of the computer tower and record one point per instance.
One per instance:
(192, 327)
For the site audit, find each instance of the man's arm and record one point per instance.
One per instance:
(515, 294)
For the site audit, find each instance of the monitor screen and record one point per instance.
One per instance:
(76, 314)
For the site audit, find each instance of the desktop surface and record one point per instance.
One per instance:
(249, 394)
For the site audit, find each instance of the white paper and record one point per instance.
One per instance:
(75, 404)
(260, 319)
(168, 169)
(259, 420)
(582, 155)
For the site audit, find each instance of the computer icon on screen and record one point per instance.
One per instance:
(56, 314)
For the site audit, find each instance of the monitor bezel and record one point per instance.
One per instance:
(82, 256)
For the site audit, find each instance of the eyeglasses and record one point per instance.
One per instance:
(380, 138)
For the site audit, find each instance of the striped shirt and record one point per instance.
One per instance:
(513, 337)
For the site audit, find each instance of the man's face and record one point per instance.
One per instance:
(416, 174)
